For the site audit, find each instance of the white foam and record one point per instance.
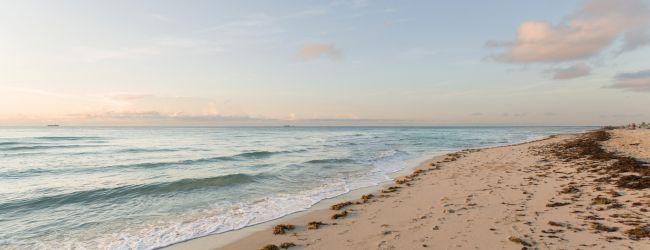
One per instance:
(232, 216)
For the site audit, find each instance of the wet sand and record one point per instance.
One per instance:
(562, 192)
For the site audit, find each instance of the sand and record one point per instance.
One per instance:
(635, 143)
(512, 197)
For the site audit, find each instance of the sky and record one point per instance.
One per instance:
(338, 62)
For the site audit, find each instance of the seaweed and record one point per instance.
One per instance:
(556, 224)
(340, 215)
(270, 247)
(282, 228)
(639, 232)
(286, 245)
(600, 227)
(634, 182)
(520, 241)
(367, 197)
(391, 189)
(599, 200)
(570, 190)
(588, 147)
(315, 225)
(341, 205)
(557, 204)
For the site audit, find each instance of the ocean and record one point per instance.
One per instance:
(150, 187)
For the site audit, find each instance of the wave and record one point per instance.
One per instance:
(8, 143)
(37, 147)
(237, 157)
(68, 138)
(129, 191)
(332, 160)
(144, 165)
(146, 150)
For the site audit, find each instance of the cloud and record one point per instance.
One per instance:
(573, 71)
(634, 81)
(594, 27)
(312, 51)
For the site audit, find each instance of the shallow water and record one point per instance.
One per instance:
(143, 188)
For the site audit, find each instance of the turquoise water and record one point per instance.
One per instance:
(143, 188)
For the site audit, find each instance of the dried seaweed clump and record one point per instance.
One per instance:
(390, 189)
(340, 215)
(629, 164)
(270, 247)
(282, 228)
(557, 204)
(634, 182)
(588, 147)
(341, 205)
(367, 197)
(570, 190)
(600, 227)
(402, 181)
(315, 224)
(520, 241)
(639, 232)
(286, 245)
(600, 200)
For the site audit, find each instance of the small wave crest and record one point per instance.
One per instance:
(45, 147)
(68, 138)
(330, 160)
(129, 191)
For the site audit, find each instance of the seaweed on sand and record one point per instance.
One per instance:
(391, 189)
(557, 204)
(270, 247)
(341, 205)
(600, 227)
(639, 232)
(286, 245)
(282, 228)
(340, 215)
(315, 224)
(634, 182)
(367, 197)
(588, 147)
(520, 241)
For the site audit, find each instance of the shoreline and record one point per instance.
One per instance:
(561, 191)
(217, 241)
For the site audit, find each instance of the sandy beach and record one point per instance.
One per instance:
(562, 192)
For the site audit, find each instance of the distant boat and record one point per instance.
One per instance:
(287, 126)
(53, 125)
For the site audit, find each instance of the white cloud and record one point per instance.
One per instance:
(312, 51)
(594, 27)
